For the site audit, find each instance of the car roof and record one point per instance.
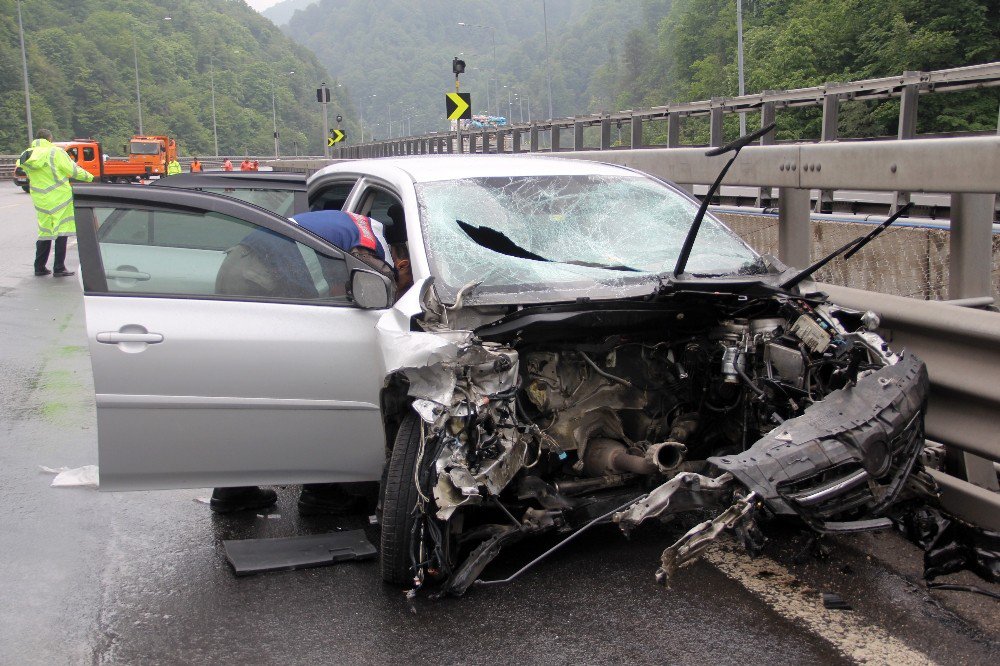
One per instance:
(235, 179)
(429, 168)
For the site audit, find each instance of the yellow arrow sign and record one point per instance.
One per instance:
(458, 106)
(336, 136)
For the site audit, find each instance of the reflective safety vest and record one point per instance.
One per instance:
(173, 166)
(195, 166)
(49, 169)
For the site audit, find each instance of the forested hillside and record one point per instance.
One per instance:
(282, 12)
(81, 67)
(640, 53)
(691, 55)
(401, 53)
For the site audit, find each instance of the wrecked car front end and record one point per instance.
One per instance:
(553, 376)
(744, 406)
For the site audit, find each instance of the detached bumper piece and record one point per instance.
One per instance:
(252, 556)
(845, 459)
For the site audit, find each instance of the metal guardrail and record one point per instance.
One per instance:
(7, 162)
(524, 137)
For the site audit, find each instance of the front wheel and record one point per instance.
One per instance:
(26, 188)
(399, 503)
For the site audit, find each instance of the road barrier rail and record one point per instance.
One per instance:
(525, 137)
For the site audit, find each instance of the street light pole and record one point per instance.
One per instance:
(138, 95)
(215, 128)
(548, 60)
(739, 59)
(24, 65)
(496, 80)
(274, 118)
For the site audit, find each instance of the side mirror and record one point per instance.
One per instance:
(370, 290)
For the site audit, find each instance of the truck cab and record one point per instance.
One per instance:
(87, 154)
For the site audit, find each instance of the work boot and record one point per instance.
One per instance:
(62, 273)
(244, 498)
(42, 272)
(326, 498)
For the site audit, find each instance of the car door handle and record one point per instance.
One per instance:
(114, 337)
(127, 275)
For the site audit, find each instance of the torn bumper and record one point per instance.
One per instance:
(844, 461)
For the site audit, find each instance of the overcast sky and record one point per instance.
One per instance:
(261, 5)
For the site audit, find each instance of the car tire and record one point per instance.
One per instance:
(26, 188)
(398, 503)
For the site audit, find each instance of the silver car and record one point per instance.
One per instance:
(549, 369)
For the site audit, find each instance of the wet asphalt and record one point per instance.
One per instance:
(141, 577)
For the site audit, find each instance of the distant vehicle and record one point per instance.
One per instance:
(147, 157)
(21, 179)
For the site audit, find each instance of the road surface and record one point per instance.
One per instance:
(141, 577)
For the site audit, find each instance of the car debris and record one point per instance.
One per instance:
(251, 556)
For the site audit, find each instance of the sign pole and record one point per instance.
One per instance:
(458, 123)
(323, 95)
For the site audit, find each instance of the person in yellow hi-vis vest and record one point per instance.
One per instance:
(49, 169)
(173, 166)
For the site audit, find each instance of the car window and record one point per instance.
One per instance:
(377, 204)
(210, 254)
(333, 196)
(88, 153)
(277, 201)
(72, 152)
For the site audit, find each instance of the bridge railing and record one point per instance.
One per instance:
(569, 134)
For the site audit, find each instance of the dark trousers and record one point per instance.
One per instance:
(42, 254)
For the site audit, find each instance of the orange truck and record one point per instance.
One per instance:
(147, 156)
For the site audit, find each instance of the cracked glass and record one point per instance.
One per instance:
(557, 237)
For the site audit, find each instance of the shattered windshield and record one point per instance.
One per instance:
(601, 235)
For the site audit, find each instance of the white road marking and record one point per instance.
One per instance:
(850, 634)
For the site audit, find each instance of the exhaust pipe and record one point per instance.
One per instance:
(607, 457)
(666, 456)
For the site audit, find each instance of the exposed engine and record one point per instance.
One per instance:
(560, 417)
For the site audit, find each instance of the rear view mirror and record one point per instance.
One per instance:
(371, 290)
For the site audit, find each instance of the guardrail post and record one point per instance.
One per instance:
(486, 142)
(765, 194)
(515, 141)
(907, 128)
(673, 130)
(554, 143)
(606, 133)
(636, 132)
(794, 233)
(971, 245)
(533, 139)
(715, 131)
(472, 143)
(502, 141)
(578, 135)
(970, 266)
(831, 116)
